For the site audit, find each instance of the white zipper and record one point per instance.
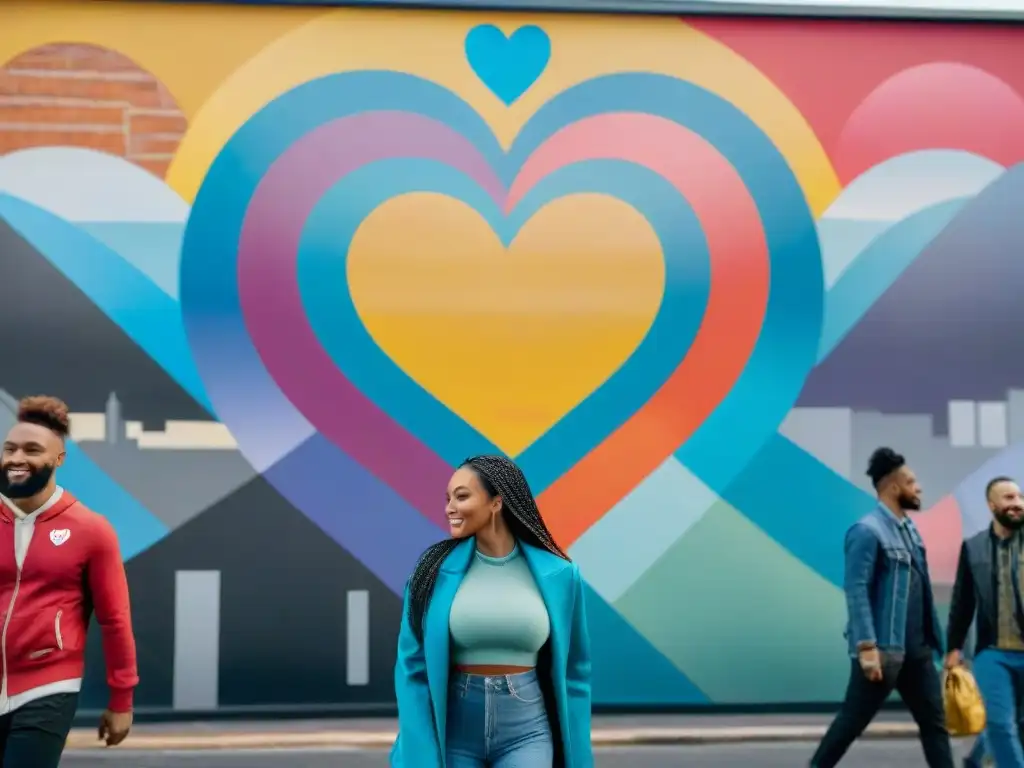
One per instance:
(3, 637)
(56, 630)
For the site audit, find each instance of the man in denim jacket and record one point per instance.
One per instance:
(893, 631)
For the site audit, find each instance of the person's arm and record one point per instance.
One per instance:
(861, 555)
(416, 733)
(108, 593)
(577, 679)
(962, 605)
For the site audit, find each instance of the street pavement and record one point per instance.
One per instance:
(638, 741)
(901, 753)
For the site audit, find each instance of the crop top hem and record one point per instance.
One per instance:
(496, 658)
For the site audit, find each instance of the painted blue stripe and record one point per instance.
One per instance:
(137, 528)
(788, 344)
(877, 267)
(148, 316)
(324, 265)
(800, 503)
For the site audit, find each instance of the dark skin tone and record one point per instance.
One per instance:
(900, 493)
(31, 448)
(472, 511)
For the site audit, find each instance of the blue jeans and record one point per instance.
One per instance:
(976, 757)
(497, 722)
(1000, 674)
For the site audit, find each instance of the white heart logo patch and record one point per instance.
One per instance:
(58, 537)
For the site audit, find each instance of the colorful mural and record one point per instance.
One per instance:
(685, 272)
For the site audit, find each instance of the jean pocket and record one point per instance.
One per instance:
(528, 692)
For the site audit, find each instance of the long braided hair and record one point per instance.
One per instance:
(499, 476)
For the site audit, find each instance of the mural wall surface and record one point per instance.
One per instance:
(290, 266)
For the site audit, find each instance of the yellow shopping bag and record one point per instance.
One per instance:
(965, 711)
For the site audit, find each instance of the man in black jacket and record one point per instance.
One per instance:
(988, 591)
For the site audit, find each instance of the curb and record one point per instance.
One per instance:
(85, 739)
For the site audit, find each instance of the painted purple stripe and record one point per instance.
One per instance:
(349, 505)
(272, 304)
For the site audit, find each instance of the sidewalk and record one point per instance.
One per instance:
(629, 730)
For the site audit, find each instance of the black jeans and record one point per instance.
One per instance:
(33, 735)
(917, 682)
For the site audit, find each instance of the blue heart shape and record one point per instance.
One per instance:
(508, 65)
(335, 489)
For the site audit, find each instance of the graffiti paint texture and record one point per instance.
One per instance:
(688, 272)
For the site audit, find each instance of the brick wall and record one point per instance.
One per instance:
(66, 94)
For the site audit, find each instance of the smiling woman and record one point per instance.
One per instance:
(505, 598)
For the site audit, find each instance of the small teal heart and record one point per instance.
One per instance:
(508, 65)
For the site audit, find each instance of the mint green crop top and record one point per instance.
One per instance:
(498, 617)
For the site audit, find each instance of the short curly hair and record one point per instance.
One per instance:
(46, 411)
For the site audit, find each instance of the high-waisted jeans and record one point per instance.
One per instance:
(497, 722)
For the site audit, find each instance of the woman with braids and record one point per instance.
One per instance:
(493, 665)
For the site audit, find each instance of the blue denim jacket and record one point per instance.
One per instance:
(877, 581)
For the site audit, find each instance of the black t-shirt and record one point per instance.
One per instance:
(919, 638)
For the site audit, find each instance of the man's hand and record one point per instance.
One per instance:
(953, 659)
(871, 664)
(114, 727)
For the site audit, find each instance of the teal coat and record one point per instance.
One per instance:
(422, 669)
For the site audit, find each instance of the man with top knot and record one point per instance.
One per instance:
(59, 564)
(894, 633)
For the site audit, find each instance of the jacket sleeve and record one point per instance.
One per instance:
(577, 679)
(417, 743)
(962, 605)
(108, 593)
(861, 554)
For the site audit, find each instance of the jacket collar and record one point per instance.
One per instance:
(59, 502)
(542, 563)
(896, 523)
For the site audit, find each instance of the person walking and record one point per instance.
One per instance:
(987, 592)
(59, 562)
(894, 632)
(493, 667)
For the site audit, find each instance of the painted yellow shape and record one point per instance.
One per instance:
(430, 44)
(190, 49)
(510, 340)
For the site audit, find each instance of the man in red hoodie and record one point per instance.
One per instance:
(59, 563)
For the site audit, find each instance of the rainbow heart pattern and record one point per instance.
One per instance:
(630, 269)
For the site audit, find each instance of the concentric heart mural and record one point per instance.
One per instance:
(687, 278)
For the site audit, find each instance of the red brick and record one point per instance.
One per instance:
(170, 123)
(106, 142)
(76, 57)
(29, 114)
(157, 167)
(152, 145)
(143, 94)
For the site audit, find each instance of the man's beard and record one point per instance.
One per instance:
(909, 503)
(27, 488)
(1011, 517)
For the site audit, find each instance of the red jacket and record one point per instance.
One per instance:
(72, 567)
